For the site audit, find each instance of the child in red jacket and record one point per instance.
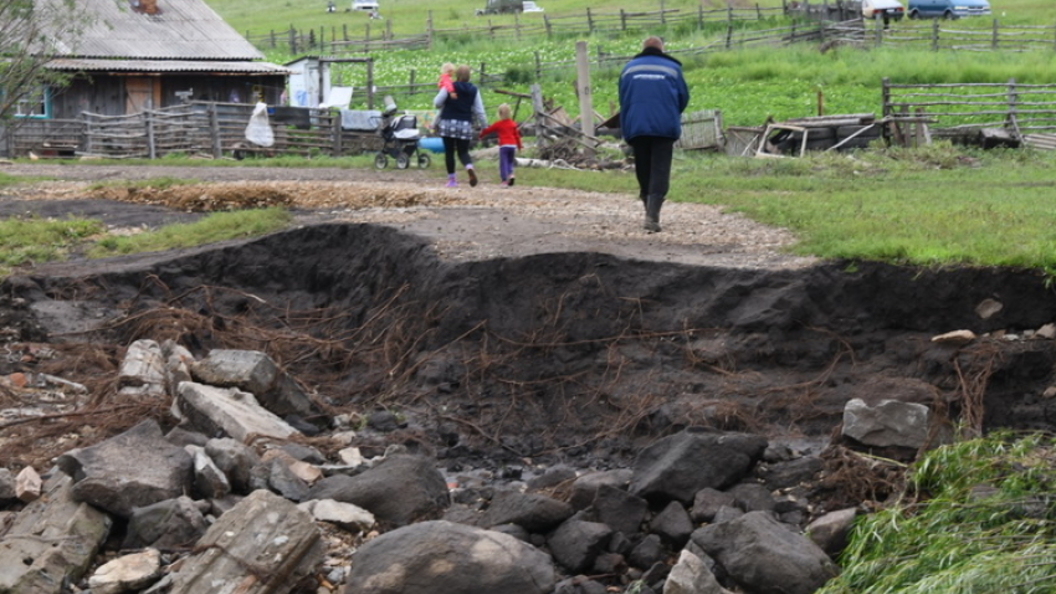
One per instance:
(509, 143)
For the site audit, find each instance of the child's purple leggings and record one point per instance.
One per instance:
(507, 160)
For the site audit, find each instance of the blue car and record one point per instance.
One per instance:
(947, 9)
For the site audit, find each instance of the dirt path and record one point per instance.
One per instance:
(463, 223)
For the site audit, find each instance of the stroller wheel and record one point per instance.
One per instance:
(423, 161)
(381, 161)
(402, 161)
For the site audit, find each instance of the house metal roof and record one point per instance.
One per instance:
(96, 65)
(181, 29)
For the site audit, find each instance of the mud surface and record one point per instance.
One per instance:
(549, 330)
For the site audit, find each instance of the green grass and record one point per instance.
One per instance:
(215, 227)
(27, 241)
(31, 241)
(959, 539)
(937, 205)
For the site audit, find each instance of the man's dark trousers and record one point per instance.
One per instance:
(652, 167)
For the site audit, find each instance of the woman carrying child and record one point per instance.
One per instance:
(458, 112)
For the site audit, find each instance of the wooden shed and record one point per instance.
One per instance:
(134, 55)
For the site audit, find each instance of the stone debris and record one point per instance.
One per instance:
(234, 499)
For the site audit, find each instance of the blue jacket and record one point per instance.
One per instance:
(653, 95)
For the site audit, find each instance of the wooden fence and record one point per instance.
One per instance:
(965, 110)
(205, 128)
(336, 40)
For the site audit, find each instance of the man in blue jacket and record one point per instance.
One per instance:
(653, 95)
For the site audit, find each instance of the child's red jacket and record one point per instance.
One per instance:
(507, 131)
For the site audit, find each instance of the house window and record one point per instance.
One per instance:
(35, 104)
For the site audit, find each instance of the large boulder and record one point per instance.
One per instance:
(444, 557)
(401, 490)
(133, 469)
(764, 556)
(676, 467)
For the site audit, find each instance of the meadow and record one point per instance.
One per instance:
(747, 86)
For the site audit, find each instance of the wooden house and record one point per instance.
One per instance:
(135, 55)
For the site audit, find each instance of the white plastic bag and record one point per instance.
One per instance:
(259, 130)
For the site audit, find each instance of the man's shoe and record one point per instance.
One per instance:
(472, 177)
(651, 226)
(512, 179)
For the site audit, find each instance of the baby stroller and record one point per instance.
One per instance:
(400, 135)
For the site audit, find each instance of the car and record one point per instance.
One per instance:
(887, 10)
(367, 5)
(529, 6)
(947, 9)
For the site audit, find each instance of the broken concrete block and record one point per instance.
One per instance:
(235, 459)
(52, 541)
(126, 573)
(133, 469)
(27, 485)
(889, 423)
(168, 525)
(264, 545)
(346, 515)
(209, 481)
(230, 412)
(256, 373)
(143, 365)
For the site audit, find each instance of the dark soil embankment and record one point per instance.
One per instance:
(578, 357)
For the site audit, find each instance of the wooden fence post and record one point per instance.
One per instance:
(273, 40)
(539, 111)
(148, 120)
(538, 67)
(885, 96)
(546, 21)
(335, 127)
(993, 42)
(214, 130)
(700, 15)
(388, 29)
(429, 29)
(370, 83)
(586, 101)
(623, 20)
(410, 83)
(590, 22)
(663, 17)
(1013, 103)
(935, 35)
(293, 40)
(482, 73)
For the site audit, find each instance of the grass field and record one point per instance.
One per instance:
(747, 86)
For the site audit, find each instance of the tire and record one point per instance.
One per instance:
(402, 161)
(424, 161)
(914, 15)
(381, 161)
(949, 16)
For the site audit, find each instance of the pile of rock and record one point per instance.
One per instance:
(229, 501)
